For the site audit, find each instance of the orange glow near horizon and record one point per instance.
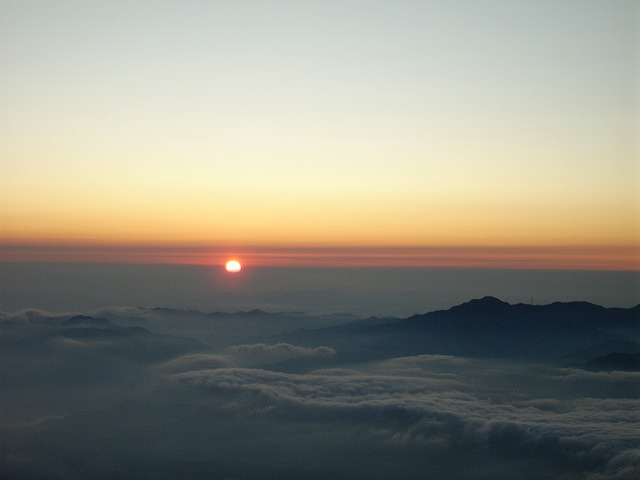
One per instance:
(341, 221)
(407, 142)
(621, 258)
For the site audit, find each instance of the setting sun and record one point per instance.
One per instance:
(233, 266)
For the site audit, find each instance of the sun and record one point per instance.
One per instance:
(233, 266)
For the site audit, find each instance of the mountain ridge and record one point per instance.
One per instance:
(486, 327)
(567, 313)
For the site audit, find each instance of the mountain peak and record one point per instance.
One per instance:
(483, 304)
(86, 321)
(488, 300)
(256, 312)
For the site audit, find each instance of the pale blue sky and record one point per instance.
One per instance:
(532, 103)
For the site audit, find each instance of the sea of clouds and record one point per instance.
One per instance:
(157, 393)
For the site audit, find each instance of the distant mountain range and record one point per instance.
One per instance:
(489, 327)
(616, 361)
(492, 315)
(574, 333)
(81, 349)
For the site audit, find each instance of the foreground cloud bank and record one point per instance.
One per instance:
(128, 396)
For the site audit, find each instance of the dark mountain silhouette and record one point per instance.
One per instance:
(84, 350)
(489, 314)
(486, 327)
(85, 320)
(222, 329)
(93, 334)
(582, 355)
(490, 327)
(616, 361)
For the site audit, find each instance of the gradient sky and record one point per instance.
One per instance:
(310, 124)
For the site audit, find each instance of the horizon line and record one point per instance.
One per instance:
(527, 257)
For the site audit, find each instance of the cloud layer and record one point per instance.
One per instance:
(130, 393)
(440, 414)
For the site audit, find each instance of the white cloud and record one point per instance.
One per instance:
(425, 412)
(449, 416)
(280, 351)
(196, 361)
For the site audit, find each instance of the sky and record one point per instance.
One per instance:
(184, 132)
